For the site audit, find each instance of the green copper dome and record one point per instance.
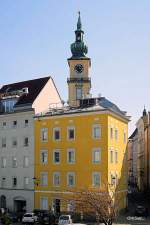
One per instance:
(78, 48)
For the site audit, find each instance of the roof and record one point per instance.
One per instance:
(34, 88)
(133, 134)
(93, 105)
(104, 102)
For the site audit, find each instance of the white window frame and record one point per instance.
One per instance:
(69, 128)
(55, 129)
(73, 175)
(14, 124)
(3, 162)
(72, 150)
(3, 182)
(94, 150)
(54, 181)
(44, 175)
(26, 124)
(94, 135)
(4, 126)
(116, 156)
(13, 178)
(45, 152)
(44, 134)
(93, 179)
(24, 141)
(41, 203)
(14, 162)
(14, 140)
(111, 155)
(116, 134)
(26, 162)
(79, 93)
(3, 142)
(124, 137)
(26, 184)
(111, 132)
(56, 151)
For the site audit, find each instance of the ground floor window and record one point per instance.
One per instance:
(44, 203)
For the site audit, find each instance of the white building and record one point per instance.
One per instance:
(19, 102)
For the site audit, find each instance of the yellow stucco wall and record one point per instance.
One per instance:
(83, 145)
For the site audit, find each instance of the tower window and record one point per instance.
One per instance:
(79, 93)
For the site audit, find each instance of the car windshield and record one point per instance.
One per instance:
(28, 215)
(64, 217)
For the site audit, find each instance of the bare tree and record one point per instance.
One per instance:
(99, 202)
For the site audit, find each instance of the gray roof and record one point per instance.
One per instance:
(105, 103)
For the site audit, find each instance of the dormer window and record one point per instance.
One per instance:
(8, 104)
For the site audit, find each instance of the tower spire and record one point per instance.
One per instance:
(78, 48)
(79, 24)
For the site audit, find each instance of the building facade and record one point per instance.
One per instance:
(132, 158)
(18, 104)
(81, 145)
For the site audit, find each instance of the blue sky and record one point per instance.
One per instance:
(35, 38)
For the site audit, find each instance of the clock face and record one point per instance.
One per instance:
(79, 68)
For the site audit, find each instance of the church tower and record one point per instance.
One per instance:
(79, 83)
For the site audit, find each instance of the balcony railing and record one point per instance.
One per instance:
(78, 80)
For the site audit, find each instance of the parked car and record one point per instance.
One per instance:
(45, 217)
(64, 220)
(141, 211)
(29, 218)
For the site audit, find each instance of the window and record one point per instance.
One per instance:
(71, 206)
(116, 134)
(44, 156)
(56, 156)
(4, 125)
(44, 203)
(56, 133)
(44, 134)
(14, 142)
(8, 104)
(14, 162)
(124, 137)
(116, 178)
(3, 162)
(26, 123)
(56, 179)
(71, 156)
(116, 157)
(96, 131)
(3, 142)
(14, 181)
(78, 93)
(111, 156)
(3, 182)
(96, 155)
(14, 125)
(96, 179)
(111, 133)
(44, 179)
(26, 181)
(26, 161)
(112, 179)
(71, 179)
(26, 141)
(71, 133)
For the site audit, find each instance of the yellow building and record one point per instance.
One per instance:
(80, 145)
